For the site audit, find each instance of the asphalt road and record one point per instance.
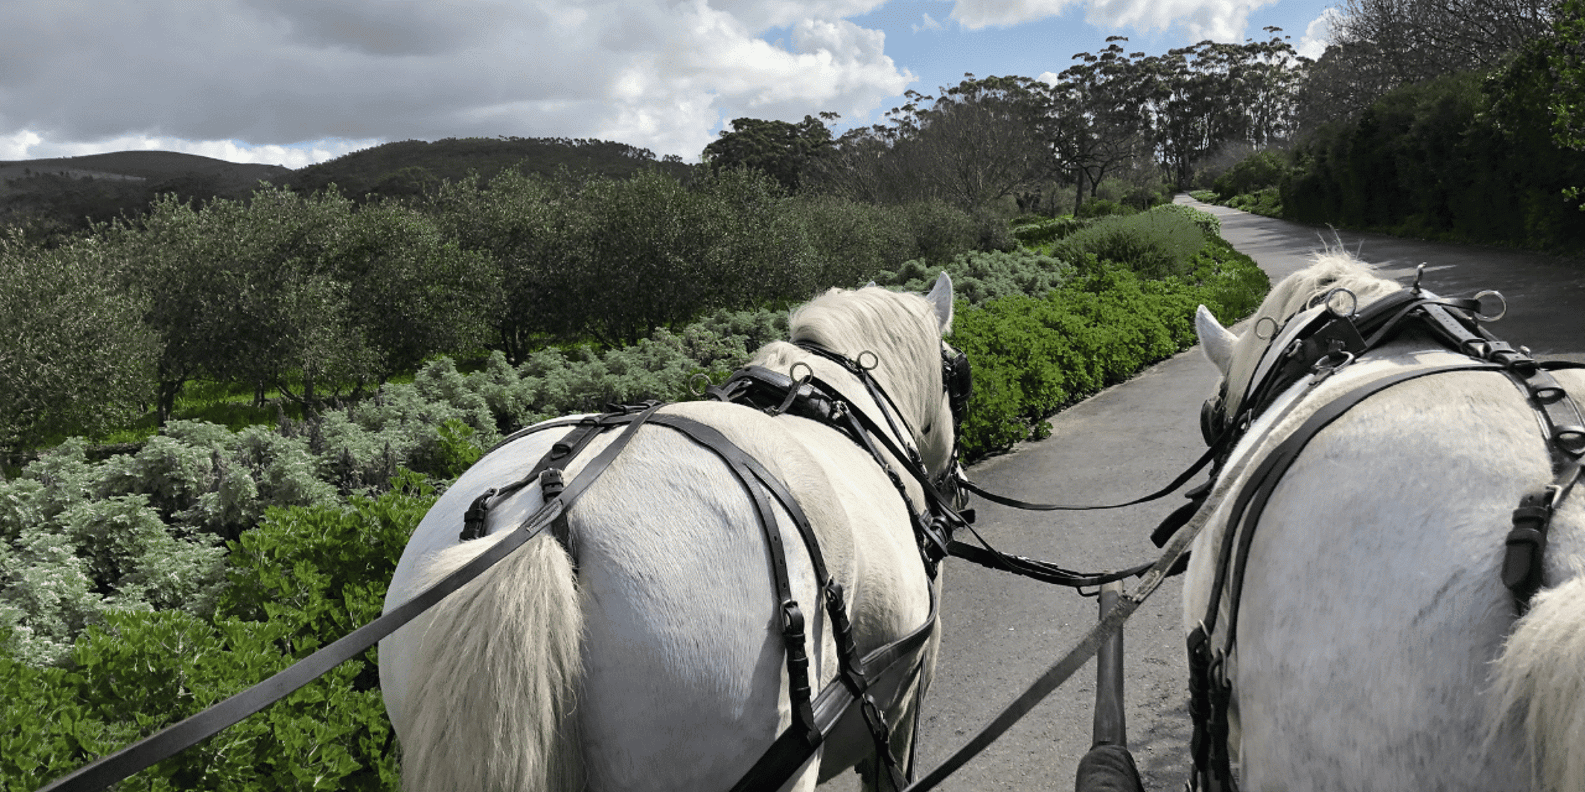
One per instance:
(1002, 632)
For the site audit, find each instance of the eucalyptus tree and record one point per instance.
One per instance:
(780, 149)
(975, 143)
(1096, 117)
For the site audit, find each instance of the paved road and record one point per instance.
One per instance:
(1001, 632)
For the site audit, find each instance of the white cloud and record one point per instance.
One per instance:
(1220, 20)
(928, 23)
(84, 75)
(976, 14)
(1317, 35)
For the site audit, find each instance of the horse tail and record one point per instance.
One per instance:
(1539, 680)
(496, 677)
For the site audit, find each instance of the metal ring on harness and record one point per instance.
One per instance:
(875, 360)
(1260, 331)
(697, 389)
(1501, 312)
(1332, 306)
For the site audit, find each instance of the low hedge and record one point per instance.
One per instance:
(1032, 356)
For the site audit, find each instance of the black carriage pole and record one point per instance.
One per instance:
(1109, 767)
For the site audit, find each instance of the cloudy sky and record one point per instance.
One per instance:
(294, 82)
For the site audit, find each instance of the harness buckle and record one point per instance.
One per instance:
(473, 519)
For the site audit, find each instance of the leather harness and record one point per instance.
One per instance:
(1317, 343)
(756, 387)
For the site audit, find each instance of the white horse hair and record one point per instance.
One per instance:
(659, 663)
(1377, 646)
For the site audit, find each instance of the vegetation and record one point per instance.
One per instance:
(139, 588)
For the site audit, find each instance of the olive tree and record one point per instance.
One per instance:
(75, 356)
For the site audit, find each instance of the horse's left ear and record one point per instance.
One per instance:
(1216, 340)
(940, 297)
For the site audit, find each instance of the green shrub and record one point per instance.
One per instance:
(1209, 224)
(1152, 244)
(1260, 170)
(983, 276)
(1044, 232)
(1102, 207)
(304, 577)
(1033, 356)
(1266, 201)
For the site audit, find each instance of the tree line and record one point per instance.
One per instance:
(1151, 118)
(1481, 145)
(322, 298)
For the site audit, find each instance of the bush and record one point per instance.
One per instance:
(1033, 356)
(981, 277)
(1260, 170)
(1043, 232)
(305, 576)
(1152, 244)
(1102, 207)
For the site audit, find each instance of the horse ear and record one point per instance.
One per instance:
(940, 297)
(1216, 340)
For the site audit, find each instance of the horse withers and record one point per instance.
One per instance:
(654, 659)
(1377, 645)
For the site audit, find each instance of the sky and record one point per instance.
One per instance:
(295, 82)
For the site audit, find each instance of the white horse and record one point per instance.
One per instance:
(1377, 647)
(658, 663)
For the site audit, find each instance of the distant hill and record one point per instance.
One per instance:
(145, 166)
(411, 167)
(66, 194)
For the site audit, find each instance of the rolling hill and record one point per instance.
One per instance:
(67, 194)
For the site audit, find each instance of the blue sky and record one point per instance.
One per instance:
(294, 82)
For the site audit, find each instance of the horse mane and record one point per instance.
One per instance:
(900, 328)
(1330, 269)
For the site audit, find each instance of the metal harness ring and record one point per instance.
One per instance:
(1501, 312)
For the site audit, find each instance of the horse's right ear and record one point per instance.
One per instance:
(1216, 340)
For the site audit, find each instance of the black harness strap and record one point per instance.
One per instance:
(1564, 431)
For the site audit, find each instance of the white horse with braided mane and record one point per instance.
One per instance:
(1377, 646)
(658, 663)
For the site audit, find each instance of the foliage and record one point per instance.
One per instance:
(779, 149)
(1262, 169)
(973, 145)
(1153, 244)
(1034, 355)
(1465, 156)
(1044, 232)
(304, 576)
(75, 353)
(980, 277)
(1209, 224)
(308, 295)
